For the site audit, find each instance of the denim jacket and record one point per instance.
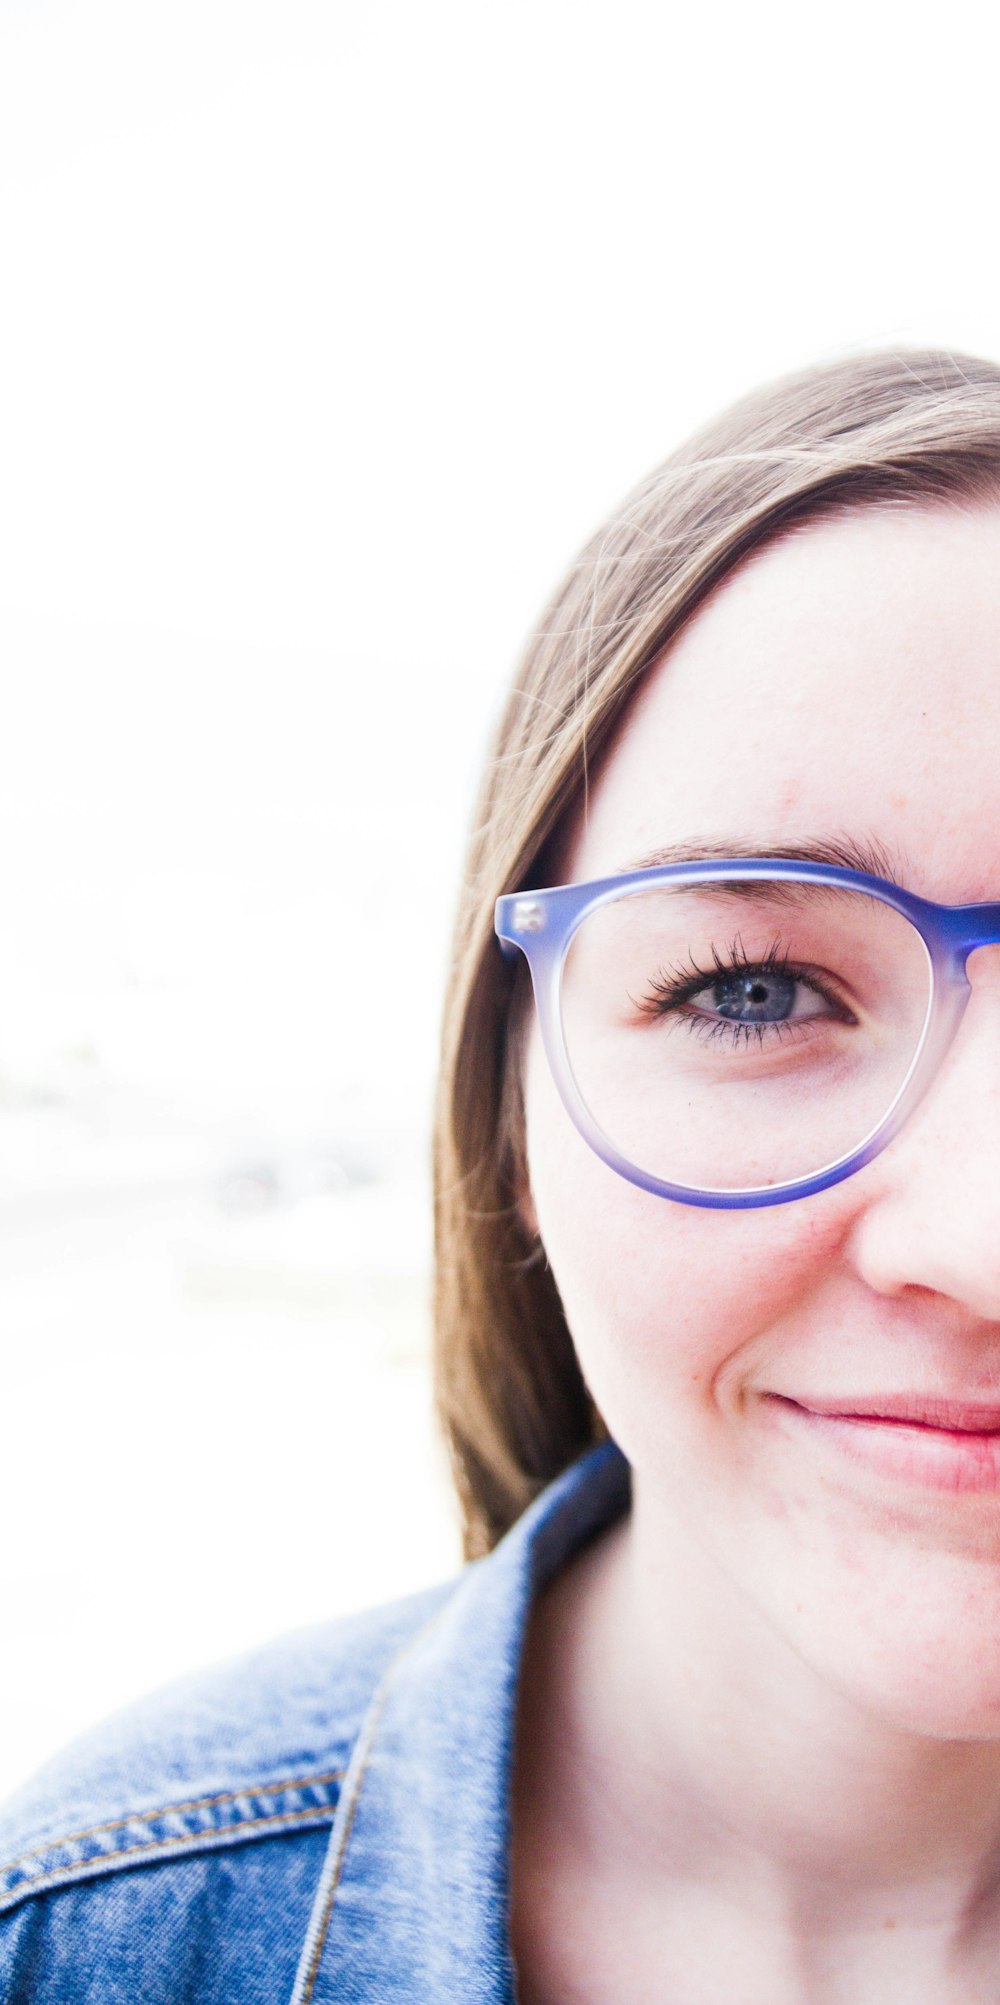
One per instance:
(327, 1820)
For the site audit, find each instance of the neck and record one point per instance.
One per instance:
(696, 1742)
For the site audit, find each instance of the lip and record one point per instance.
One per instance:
(916, 1438)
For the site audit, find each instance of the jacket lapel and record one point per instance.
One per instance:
(412, 1906)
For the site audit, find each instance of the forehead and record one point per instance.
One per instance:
(844, 682)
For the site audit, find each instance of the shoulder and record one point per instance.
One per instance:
(222, 1791)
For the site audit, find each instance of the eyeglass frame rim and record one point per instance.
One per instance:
(550, 916)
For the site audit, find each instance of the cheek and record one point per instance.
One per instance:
(671, 1307)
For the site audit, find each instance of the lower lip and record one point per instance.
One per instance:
(937, 1458)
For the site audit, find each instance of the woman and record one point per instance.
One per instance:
(716, 1715)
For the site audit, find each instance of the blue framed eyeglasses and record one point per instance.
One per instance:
(743, 1033)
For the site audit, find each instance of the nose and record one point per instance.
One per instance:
(931, 1216)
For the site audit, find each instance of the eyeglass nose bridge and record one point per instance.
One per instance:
(955, 933)
(975, 926)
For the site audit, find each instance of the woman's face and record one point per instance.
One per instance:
(845, 683)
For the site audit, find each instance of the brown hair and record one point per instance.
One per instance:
(894, 427)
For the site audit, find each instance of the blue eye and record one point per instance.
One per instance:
(743, 998)
(754, 996)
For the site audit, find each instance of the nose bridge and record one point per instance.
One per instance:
(932, 1221)
(962, 1053)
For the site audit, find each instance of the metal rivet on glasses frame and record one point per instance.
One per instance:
(528, 916)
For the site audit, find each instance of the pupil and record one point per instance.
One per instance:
(755, 998)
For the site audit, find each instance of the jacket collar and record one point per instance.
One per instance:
(412, 1906)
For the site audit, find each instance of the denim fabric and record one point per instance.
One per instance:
(326, 1821)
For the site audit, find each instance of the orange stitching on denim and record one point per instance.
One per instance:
(154, 1845)
(174, 1810)
(312, 1968)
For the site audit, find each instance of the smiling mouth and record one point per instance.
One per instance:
(940, 1416)
(940, 1444)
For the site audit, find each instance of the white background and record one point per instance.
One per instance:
(327, 332)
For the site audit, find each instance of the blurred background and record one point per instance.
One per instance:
(327, 333)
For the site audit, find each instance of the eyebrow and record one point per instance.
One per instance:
(867, 855)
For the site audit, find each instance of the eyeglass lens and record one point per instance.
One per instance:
(731, 1035)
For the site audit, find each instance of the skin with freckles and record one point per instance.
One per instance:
(777, 1771)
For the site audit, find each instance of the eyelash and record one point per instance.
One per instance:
(668, 993)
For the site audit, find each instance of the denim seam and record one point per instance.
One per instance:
(154, 1848)
(174, 1810)
(364, 1751)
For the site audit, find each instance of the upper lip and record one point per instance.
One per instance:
(917, 1409)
